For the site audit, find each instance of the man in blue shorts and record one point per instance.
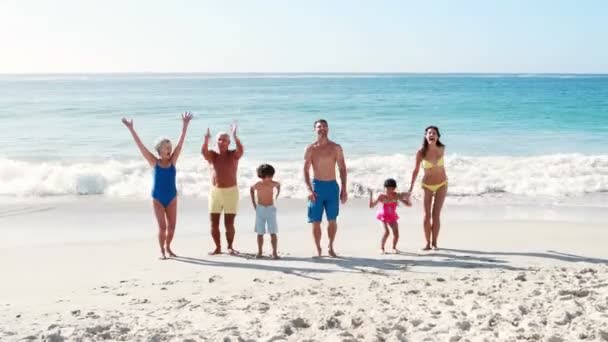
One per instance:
(324, 192)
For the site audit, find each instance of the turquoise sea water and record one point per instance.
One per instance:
(526, 135)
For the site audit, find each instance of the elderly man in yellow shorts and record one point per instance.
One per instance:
(224, 192)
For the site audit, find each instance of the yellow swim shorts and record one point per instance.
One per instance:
(226, 199)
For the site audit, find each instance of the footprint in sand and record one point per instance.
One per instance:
(139, 301)
(261, 307)
(464, 325)
(523, 310)
(521, 277)
(356, 322)
(588, 270)
(181, 303)
(428, 327)
(92, 315)
(214, 278)
(331, 323)
(300, 323)
(575, 293)
(416, 322)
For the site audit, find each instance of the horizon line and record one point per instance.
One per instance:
(298, 73)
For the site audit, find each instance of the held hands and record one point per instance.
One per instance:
(405, 198)
(128, 123)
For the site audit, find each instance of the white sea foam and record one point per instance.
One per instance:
(552, 176)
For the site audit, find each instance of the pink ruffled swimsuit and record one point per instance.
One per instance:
(388, 212)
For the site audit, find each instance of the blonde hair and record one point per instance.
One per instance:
(160, 142)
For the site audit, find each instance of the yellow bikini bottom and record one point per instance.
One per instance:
(434, 187)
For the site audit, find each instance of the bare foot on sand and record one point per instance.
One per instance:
(427, 248)
(435, 246)
(216, 251)
(171, 254)
(259, 256)
(382, 252)
(332, 253)
(233, 251)
(319, 253)
(162, 257)
(275, 256)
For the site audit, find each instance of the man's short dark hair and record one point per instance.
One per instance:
(322, 121)
(265, 170)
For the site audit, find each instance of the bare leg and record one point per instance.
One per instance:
(260, 245)
(159, 212)
(437, 206)
(215, 233)
(384, 238)
(428, 200)
(273, 241)
(230, 232)
(332, 229)
(171, 212)
(395, 229)
(316, 233)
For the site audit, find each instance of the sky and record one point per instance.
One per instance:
(485, 36)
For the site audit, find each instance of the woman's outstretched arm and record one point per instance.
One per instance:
(150, 158)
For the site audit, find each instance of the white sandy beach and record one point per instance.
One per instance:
(88, 270)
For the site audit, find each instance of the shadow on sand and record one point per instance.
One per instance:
(308, 267)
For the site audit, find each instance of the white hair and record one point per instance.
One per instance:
(221, 134)
(160, 142)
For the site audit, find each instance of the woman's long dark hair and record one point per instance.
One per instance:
(425, 144)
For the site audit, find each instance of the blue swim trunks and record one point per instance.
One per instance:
(328, 199)
(266, 220)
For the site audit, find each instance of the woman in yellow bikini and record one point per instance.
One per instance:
(434, 183)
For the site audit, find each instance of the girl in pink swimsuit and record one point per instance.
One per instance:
(387, 213)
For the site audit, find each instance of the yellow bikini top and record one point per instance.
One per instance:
(428, 165)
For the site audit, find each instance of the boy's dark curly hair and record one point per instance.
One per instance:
(265, 170)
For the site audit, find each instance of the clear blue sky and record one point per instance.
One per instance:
(524, 36)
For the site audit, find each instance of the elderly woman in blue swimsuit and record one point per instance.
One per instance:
(164, 191)
(434, 183)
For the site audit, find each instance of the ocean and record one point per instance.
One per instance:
(510, 138)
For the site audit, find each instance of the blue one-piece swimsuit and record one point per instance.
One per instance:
(164, 189)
